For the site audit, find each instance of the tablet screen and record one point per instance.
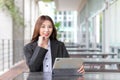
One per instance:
(67, 63)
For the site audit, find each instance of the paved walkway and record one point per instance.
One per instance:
(15, 71)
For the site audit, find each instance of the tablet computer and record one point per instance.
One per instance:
(67, 66)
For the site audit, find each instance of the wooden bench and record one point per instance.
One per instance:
(15, 71)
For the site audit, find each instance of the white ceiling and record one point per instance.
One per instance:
(62, 5)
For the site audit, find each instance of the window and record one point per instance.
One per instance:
(65, 35)
(64, 12)
(55, 18)
(64, 23)
(59, 12)
(64, 17)
(69, 23)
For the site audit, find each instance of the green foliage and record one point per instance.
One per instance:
(1, 3)
(13, 10)
(57, 25)
(46, 0)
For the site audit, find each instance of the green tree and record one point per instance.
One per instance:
(57, 25)
(13, 10)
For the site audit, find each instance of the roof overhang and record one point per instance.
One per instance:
(69, 5)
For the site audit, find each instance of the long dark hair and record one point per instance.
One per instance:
(38, 24)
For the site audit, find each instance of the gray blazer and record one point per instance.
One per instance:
(35, 54)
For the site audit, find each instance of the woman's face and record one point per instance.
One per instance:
(46, 29)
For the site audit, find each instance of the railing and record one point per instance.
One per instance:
(8, 49)
(6, 54)
(115, 49)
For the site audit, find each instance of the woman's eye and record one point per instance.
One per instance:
(42, 26)
(49, 26)
(46, 26)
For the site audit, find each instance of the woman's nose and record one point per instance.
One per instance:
(46, 29)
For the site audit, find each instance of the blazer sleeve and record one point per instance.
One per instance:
(34, 58)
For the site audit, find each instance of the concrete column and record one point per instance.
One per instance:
(105, 35)
(87, 35)
(18, 34)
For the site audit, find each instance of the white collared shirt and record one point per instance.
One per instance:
(47, 62)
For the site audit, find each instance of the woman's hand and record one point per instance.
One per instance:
(81, 70)
(42, 42)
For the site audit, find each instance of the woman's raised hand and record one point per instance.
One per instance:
(42, 42)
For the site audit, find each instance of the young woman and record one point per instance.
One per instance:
(44, 47)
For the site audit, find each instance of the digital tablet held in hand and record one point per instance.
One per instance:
(67, 66)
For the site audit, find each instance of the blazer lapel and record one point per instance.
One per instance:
(54, 50)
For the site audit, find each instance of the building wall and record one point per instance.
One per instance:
(68, 32)
(111, 18)
(6, 43)
(6, 25)
(114, 24)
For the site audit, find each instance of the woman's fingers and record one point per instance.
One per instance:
(81, 70)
